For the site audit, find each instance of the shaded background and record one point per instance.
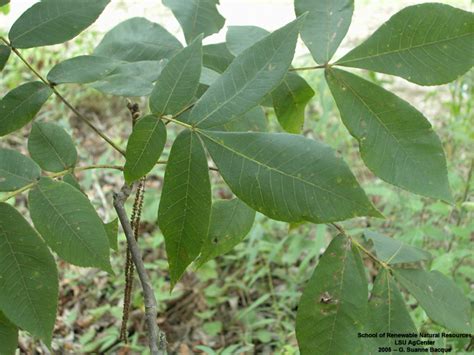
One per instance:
(244, 302)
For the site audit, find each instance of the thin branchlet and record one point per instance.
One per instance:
(129, 268)
(62, 98)
(157, 338)
(135, 223)
(359, 246)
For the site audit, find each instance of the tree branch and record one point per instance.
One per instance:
(17, 192)
(60, 174)
(56, 92)
(157, 339)
(342, 231)
(309, 68)
(72, 170)
(170, 118)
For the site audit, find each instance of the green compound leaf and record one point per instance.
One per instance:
(288, 177)
(144, 147)
(111, 229)
(178, 81)
(427, 44)
(8, 336)
(196, 17)
(326, 25)
(51, 147)
(54, 21)
(216, 57)
(16, 170)
(239, 38)
(185, 205)
(145, 46)
(387, 310)
(70, 179)
(396, 141)
(208, 76)
(291, 96)
(131, 79)
(4, 55)
(138, 39)
(439, 296)
(393, 251)
(82, 69)
(251, 76)
(333, 307)
(231, 221)
(290, 100)
(109, 75)
(251, 121)
(69, 224)
(21, 105)
(28, 276)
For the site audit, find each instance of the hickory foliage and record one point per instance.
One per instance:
(215, 93)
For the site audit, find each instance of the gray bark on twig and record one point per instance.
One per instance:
(157, 338)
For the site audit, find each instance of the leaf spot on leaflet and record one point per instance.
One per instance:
(325, 298)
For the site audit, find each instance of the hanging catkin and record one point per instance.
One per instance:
(135, 222)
